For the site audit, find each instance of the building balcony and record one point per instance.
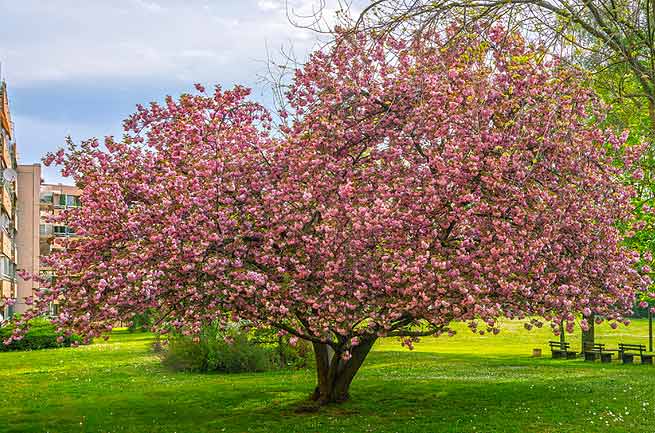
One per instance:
(49, 230)
(6, 154)
(7, 202)
(5, 118)
(7, 245)
(7, 287)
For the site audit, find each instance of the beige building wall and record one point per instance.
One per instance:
(37, 237)
(9, 226)
(27, 239)
(53, 199)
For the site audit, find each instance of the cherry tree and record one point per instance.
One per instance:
(410, 184)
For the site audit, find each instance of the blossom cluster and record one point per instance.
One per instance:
(410, 184)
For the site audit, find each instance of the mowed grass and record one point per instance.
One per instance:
(465, 383)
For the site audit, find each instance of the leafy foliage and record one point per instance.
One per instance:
(633, 116)
(142, 321)
(234, 350)
(41, 335)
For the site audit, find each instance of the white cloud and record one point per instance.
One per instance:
(268, 5)
(149, 5)
(147, 39)
(96, 59)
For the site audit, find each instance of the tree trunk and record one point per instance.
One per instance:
(562, 335)
(588, 336)
(280, 351)
(334, 374)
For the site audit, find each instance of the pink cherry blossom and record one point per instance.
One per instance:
(407, 187)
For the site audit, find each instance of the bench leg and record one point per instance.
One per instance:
(588, 356)
(606, 357)
(627, 359)
(647, 360)
(557, 355)
(571, 355)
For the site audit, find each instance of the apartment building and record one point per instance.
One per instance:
(38, 237)
(25, 203)
(8, 220)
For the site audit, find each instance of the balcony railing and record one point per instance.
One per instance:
(6, 201)
(5, 117)
(6, 154)
(7, 245)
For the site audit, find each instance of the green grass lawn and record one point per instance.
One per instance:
(464, 383)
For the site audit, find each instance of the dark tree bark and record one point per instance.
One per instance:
(335, 375)
(562, 333)
(280, 351)
(588, 336)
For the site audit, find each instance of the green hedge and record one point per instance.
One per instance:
(40, 335)
(246, 351)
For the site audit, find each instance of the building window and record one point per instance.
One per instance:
(47, 198)
(7, 268)
(63, 231)
(47, 275)
(6, 222)
(45, 229)
(68, 200)
(72, 201)
(53, 309)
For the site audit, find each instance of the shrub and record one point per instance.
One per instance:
(185, 355)
(141, 322)
(286, 355)
(233, 350)
(299, 356)
(41, 335)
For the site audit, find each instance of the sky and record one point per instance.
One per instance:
(80, 67)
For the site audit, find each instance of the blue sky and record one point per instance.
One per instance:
(79, 67)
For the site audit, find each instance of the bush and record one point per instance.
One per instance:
(233, 351)
(40, 335)
(141, 322)
(300, 355)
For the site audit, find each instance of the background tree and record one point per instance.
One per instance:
(412, 184)
(614, 38)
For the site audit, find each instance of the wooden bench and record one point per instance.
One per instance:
(562, 350)
(593, 351)
(627, 352)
